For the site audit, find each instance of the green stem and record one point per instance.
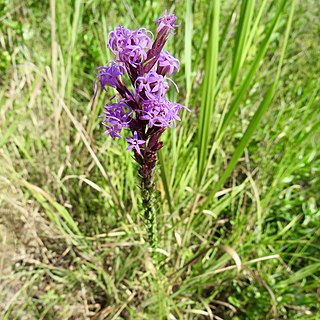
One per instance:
(150, 212)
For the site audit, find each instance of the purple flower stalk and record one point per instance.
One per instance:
(142, 109)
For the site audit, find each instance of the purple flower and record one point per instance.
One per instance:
(113, 130)
(143, 110)
(132, 54)
(154, 112)
(173, 113)
(134, 143)
(161, 113)
(151, 86)
(165, 25)
(142, 38)
(130, 46)
(117, 116)
(109, 74)
(166, 21)
(167, 63)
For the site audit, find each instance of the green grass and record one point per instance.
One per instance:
(238, 178)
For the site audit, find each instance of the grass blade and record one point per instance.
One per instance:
(188, 48)
(258, 114)
(164, 178)
(208, 93)
(252, 71)
(246, 14)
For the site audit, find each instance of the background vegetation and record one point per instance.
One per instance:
(238, 178)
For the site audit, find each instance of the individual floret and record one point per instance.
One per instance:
(109, 74)
(117, 116)
(167, 64)
(130, 46)
(135, 142)
(151, 86)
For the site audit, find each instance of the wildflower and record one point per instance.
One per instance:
(129, 46)
(155, 113)
(151, 86)
(109, 74)
(113, 130)
(135, 142)
(143, 108)
(167, 64)
(166, 22)
(117, 116)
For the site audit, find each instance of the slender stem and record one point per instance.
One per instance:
(147, 160)
(147, 163)
(150, 212)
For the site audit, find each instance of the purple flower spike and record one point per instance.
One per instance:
(134, 143)
(167, 64)
(143, 109)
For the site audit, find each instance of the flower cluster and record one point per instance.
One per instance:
(142, 108)
(130, 46)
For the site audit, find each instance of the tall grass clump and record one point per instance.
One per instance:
(237, 181)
